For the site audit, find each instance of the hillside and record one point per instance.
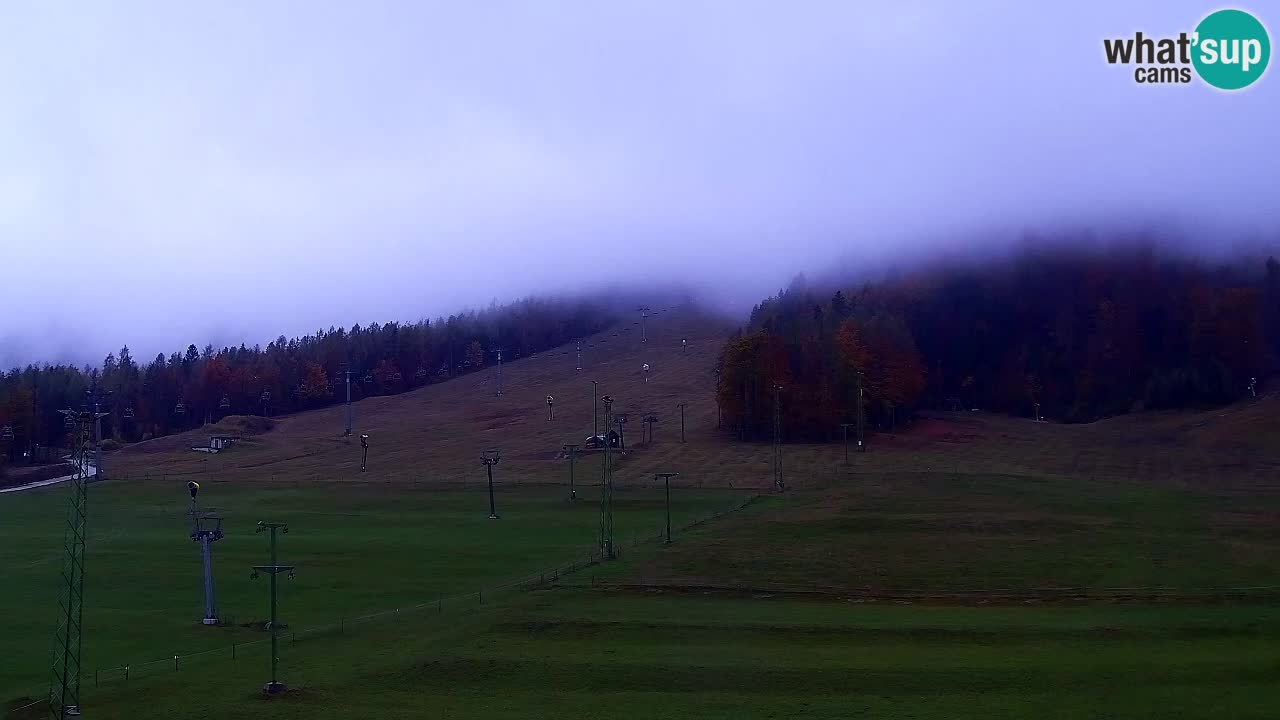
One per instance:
(435, 434)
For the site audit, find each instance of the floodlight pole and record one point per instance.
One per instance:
(206, 536)
(572, 450)
(606, 493)
(490, 458)
(275, 568)
(364, 452)
(682, 407)
(666, 479)
(550, 400)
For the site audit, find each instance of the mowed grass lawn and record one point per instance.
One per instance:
(575, 652)
(934, 533)
(358, 549)
(643, 637)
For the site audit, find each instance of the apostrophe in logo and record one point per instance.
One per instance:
(1229, 50)
(1232, 49)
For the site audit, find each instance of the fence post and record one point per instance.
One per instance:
(95, 677)
(480, 595)
(233, 649)
(342, 626)
(126, 673)
(439, 605)
(175, 663)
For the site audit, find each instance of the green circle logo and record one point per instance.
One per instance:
(1231, 49)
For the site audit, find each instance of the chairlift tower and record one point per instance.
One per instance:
(606, 491)
(64, 690)
(666, 480)
(579, 367)
(621, 420)
(719, 416)
(644, 314)
(347, 431)
(844, 427)
(275, 568)
(206, 529)
(499, 353)
(649, 419)
(572, 452)
(778, 483)
(861, 418)
(491, 458)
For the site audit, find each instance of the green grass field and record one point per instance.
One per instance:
(971, 566)
(944, 533)
(359, 549)
(576, 652)
(645, 636)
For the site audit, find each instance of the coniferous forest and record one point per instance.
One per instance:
(180, 391)
(1082, 334)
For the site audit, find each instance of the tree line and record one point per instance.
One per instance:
(173, 393)
(1072, 334)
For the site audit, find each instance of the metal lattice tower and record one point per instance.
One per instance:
(64, 689)
(606, 491)
(778, 483)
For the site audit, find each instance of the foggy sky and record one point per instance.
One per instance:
(172, 174)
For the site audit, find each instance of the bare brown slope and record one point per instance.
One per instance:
(435, 434)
